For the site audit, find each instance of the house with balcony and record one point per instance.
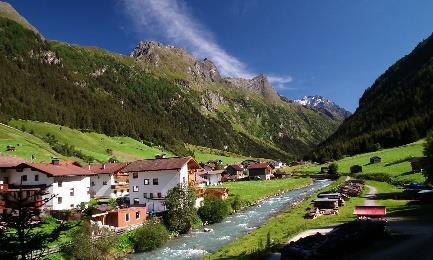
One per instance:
(150, 180)
(109, 181)
(65, 184)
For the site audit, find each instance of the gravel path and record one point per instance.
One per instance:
(370, 197)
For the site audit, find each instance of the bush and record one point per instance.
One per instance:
(214, 210)
(181, 212)
(333, 168)
(237, 203)
(84, 246)
(149, 237)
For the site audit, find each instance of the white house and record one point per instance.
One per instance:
(150, 180)
(212, 177)
(67, 184)
(109, 181)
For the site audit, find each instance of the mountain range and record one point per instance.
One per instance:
(325, 106)
(159, 94)
(395, 110)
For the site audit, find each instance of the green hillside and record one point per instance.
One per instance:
(395, 110)
(25, 144)
(394, 162)
(90, 88)
(99, 146)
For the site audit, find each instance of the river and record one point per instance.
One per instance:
(197, 244)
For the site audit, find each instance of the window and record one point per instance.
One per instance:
(146, 181)
(24, 178)
(135, 188)
(151, 195)
(72, 205)
(127, 217)
(60, 184)
(135, 175)
(159, 195)
(37, 177)
(104, 183)
(59, 200)
(5, 180)
(136, 201)
(184, 180)
(72, 192)
(93, 183)
(137, 215)
(20, 169)
(145, 195)
(155, 181)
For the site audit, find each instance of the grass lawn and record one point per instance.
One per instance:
(251, 191)
(284, 226)
(393, 162)
(204, 154)
(91, 143)
(26, 145)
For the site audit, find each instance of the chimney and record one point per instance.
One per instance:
(103, 166)
(55, 161)
(89, 167)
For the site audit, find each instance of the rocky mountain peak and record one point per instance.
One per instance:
(325, 106)
(177, 60)
(259, 85)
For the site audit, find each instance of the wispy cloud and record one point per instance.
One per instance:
(173, 21)
(280, 82)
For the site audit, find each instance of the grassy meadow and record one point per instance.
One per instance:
(252, 191)
(204, 154)
(394, 162)
(91, 143)
(26, 145)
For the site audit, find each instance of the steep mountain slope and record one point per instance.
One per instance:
(395, 110)
(161, 94)
(7, 11)
(325, 106)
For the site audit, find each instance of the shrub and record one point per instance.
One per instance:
(84, 246)
(181, 212)
(151, 236)
(333, 168)
(237, 203)
(214, 210)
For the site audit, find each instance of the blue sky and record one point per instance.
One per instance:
(334, 48)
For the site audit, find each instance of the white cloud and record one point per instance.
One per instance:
(172, 20)
(280, 82)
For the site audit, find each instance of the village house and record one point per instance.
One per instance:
(211, 177)
(109, 181)
(355, 169)
(120, 217)
(375, 159)
(260, 170)
(150, 180)
(233, 172)
(66, 184)
(221, 193)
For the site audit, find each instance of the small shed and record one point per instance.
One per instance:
(11, 148)
(417, 164)
(324, 169)
(326, 203)
(355, 168)
(222, 193)
(370, 211)
(375, 159)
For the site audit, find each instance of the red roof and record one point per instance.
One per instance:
(10, 162)
(236, 167)
(370, 211)
(62, 169)
(258, 166)
(109, 168)
(174, 163)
